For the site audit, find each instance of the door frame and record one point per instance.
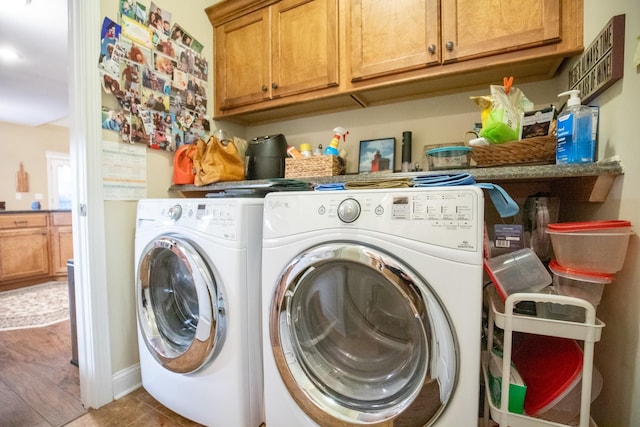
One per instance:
(85, 148)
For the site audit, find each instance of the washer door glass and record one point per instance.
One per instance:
(362, 336)
(180, 311)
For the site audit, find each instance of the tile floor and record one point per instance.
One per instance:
(137, 409)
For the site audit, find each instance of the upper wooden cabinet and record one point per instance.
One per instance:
(266, 50)
(290, 58)
(471, 29)
(392, 36)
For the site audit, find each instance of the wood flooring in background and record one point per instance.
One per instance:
(38, 384)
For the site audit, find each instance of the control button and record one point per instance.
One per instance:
(175, 212)
(322, 210)
(379, 210)
(349, 210)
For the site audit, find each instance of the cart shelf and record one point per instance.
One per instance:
(502, 315)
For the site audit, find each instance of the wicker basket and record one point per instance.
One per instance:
(536, 150)
(314, 166)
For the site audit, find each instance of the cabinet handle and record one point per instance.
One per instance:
(274, 85)
(264, 88)
(432, 48)
(449, 46)
(21, 222)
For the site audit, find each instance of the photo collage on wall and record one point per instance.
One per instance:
(156, 70)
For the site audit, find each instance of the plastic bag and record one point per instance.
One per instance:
(501, 117)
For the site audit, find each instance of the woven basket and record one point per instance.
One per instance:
(314, 166)
(536, 150)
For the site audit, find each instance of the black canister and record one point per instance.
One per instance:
(264, 157)
(406, 151)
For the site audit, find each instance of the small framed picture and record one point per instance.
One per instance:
(377, 155)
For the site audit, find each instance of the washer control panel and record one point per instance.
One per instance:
(451, 217)
(349, 210)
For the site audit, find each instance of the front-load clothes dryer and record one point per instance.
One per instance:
(372, 304)
(198, 307)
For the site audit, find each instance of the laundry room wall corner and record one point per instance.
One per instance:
(120, 215)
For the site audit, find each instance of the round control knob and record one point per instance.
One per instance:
(175, 212)
(349, 210)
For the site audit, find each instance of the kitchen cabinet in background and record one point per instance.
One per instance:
(61, 242)
(24, 247)
(266, 50)
(34, 247)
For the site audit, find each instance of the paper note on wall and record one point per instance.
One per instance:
(636, 57)
(124, 171)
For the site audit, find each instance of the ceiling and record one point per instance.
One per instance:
(34, 88)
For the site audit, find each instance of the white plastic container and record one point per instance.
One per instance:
(518, 271)
(592, 246)
(580, 284)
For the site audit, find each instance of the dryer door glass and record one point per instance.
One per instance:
(363, 336)
(177, 304)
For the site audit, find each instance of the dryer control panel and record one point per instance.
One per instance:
(451, 217)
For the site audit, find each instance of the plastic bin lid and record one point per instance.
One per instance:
(460, 148)
(549, 366)
(566, 227)
(572, 273)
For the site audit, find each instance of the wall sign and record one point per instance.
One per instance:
(602, 63)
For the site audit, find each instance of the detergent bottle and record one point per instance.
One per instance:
(574, 138)
(332, 148)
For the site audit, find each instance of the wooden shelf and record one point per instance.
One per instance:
(590, 182)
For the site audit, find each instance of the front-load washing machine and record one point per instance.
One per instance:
(198, 307)
(372, 304)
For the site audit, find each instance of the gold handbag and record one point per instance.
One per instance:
(217, 162)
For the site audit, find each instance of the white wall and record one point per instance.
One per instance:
(617, 354)
(28, 145)
(120, 215)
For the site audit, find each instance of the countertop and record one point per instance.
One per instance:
(589, 182)
(34, 211)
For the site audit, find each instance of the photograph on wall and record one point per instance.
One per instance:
(108, 38)
(113, 119)
(135, 52)
(155, 70)
(128, 9)
(376, 155)
(159, 19)
(141, 13)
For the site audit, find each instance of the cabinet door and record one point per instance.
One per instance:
(304, 46)
(472, 29)
(242, 57)
(24, 253)
(393, 36)
(61, 249)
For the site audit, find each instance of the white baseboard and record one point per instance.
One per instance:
(126, 381)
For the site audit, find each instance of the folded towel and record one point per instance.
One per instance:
(330, 187)
(290, 184)
(387, 183)
(443, 180)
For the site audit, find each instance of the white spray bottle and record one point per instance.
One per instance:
(332, 148)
